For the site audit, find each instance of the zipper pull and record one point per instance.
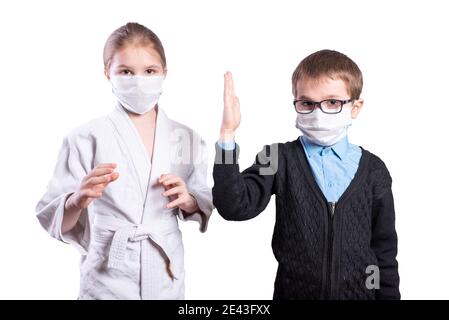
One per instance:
(332, 207)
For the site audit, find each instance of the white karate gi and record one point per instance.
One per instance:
(128, 239)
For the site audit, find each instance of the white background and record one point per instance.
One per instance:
(52, 81)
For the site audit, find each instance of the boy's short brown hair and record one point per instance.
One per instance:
(331, 64)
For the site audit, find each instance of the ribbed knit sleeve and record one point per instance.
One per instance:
(242, 196)
(384, 238)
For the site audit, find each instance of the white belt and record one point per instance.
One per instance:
(125, 231)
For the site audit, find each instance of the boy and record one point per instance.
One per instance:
(334, 236)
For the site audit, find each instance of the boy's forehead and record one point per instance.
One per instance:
(322, 88)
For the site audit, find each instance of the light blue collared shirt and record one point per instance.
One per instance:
(334, 166)
(226, 145)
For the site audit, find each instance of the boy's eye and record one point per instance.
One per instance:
(150, 71)
(332, 101)
(307, 103)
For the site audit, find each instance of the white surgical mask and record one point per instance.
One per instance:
(138, 94)
(322, 128)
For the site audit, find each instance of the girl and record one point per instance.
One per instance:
(121, 181)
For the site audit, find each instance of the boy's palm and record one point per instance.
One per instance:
(231, 110)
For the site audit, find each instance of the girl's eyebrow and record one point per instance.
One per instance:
(148, 67)
(124, 66)
(154, 66)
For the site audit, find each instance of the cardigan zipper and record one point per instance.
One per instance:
(331, 211)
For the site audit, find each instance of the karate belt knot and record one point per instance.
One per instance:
(125, 231)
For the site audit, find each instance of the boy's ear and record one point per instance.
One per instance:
(106, 73)
(356, 108)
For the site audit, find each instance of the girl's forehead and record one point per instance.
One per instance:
(137, 55)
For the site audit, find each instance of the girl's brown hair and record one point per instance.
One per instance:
(131, 33)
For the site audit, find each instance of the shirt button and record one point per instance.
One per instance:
(330, 184)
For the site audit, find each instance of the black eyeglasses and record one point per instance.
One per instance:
(331, 106)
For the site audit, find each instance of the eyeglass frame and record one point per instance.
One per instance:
(318, 103)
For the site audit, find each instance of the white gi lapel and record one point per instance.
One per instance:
(155, 214)
(157, 221)
(133, 147)
(161, 163)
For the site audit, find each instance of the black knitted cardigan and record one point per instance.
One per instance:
(324, 250)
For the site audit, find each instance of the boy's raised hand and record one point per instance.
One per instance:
(231, 110)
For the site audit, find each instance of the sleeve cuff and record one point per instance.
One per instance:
(223, 156)
(226, 145)
(201, 216)
(53, 224)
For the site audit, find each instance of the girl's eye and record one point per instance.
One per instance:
(332, 101)
(126, 72)
(307, 103)
(150, 71)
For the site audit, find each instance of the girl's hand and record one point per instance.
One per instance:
(92, 186)
(231, 110)
(176, 190)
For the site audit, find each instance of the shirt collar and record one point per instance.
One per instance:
(340, 149)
